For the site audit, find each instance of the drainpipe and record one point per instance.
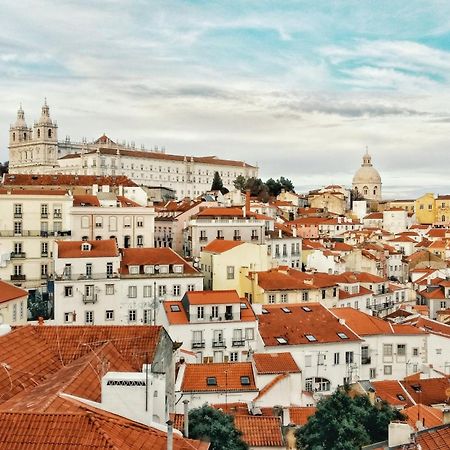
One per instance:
(169, 435)
(186, 418)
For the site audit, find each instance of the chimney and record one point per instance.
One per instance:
(294, 232)
(169, 435)
(186, 418)
(247, 203)
(94, 189)
(40, 321)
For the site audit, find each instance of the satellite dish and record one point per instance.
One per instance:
(196, 264)
(157, 267)
(196, 259)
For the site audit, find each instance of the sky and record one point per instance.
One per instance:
(298, 87)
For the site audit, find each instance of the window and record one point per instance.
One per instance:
(200, 312)
(147, 316)
(305, 296)
(21, 310)
(127, 222)
(109, 289)
(336, 359)
(324, 292)
(89, 317)
(18, 270)
(365, 359)
(249, 334)
(230, 272)
(132, 315)
(68, 291)
(162, 290)
(415, 351)
(14, 312)
(147, 291)
(109, 269)
(44, 211)
(271, 298)
(283, 298)
(245, 381)
(98, 222)
(44, 270)
(281, 340)
(372, 373)
(317, 384)
(18, 211)
(214, 312)
(68, 317)
(387, 352)
(349, 357)
(17, 227)
(176, 289)
(140, 222)
(211, 381)
(140, 240)
(109, 314)
(310, 337)
(401, 350)
(234, 356)
(88, 270)
(132, 291)
(190, 287)
(388, 370)
(175, 308)
(342, 335)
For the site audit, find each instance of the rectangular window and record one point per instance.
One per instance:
(387, 352)
(109, 269)
(234, 356)
(308, 360)
(132, 291)
(162, 290)
(176, 290)
(44, 249)
(349, 357)
(147, 316)
(336, 359)
(14, 312)
(283, 298)
(415, 351)
(109, 314)
(17, 227)
(230, 272)
(190, 287)
(88, 270)
(18, 211)
(214, 312)
(249, 334)
(109, 289)
(373, 373)
(89, 317)
(388, 370)
(132, 315)
(44, 211)
(44, 270)
(147, 291)
(271, 298)
(200, 312)
(68, 291)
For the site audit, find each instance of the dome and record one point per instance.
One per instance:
(20, 122)
(367, 174)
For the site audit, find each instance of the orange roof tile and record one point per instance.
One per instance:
(432, 439)
(221, 212)
(23, 191)
(10, 292)
(269, 363)
(175, 312)
(221, 246)
(260, 431)
(212, 297)
(428, 391)
(99, 249)
(428, 416)
(223, 377)
(297, 324)
(270, 385)
(392, 392)
(299, 415)
(152, 257)
(85, 200)
(66, 180)
(429, 325)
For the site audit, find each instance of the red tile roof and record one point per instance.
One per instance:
(260, 431)
(99, 249)
(67, 180)
(212, 297)
(85, 200)
(269, 363)
(175, 312)
(221, 246)
(10, 292)
(153, 257)
(4, 191)
(392, 392)
(299, 415)
(428, 416)
(429, 325)
(432, 439)
(303, 320)
(428, 391)
(221, 212)
(228, 377)
(365, 325)
(87, 428)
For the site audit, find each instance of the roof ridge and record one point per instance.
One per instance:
(91, 418)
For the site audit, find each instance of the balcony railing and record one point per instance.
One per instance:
(90, 298)
(18, 215)
(34, 233)
(236, 238)
(44, 215)
(366, 360)
(221, 238)
(57, 215)
(18, 255)
(238, 342)
(203, 238)
(198, 344)
(18, 277)
(255, 238)
(219, 344)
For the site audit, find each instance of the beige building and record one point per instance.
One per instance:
(13, 304)
(30, 222)
(37, 150)
(367, 180)
(221, 262)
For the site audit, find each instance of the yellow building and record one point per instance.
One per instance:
(221, 261)
(442, 207)
(333, 202)
(425, 209)
(407, 205)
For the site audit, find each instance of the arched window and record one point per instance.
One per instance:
(14, 136)
(39, 133)
(49, 133)
(365, 190)
(317, 384)
(25, 136)
(443, 218)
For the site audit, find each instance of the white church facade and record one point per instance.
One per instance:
(37, 150)
(367, 180)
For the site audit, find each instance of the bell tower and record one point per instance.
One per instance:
(45, 139)
(20, 137)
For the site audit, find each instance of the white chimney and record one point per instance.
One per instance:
(94, 189)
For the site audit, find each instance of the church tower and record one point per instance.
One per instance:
(33, 151)
(367, 180)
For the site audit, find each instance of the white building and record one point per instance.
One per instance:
(30, 222)
(217, 326)
(38, 151)
(395, 220)
(284, 246)
(13, 305)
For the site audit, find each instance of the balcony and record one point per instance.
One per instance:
(366, 360)
(236, 238)
(34, 233)
(198, 344)
(44, 215)
(57, 215)
(18, 215)
(18, 277)
(44, 254)
(228, 316)
(219, 344)
(221, 238)
(255, 238)
(238, 342)
(15, 255)
(90, 298)
(203, 238)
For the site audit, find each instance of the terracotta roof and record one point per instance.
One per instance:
(375, 215)
(428, 416)
(236, 376)
(67, 180)
(136, 344)
(270, 385)
(166, 156)
(270, 363)
(99, 249)
(392, 392)
(365, 325)
(299, 415)
(362, 277)
(297, 324)
(5, 191)
(85, 200)
(260, 431)
(432, 439)
(433, 294)
(362, 291)
(152, 257)
(428, 391)
(10, 292)
(221, 212)
(212, 297)
(429, 325)
(87, 428)
(125, 202)
(221, 246)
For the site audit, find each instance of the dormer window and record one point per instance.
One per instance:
(211, 381)
(149, 269)
(163, 269)
(342, 335)
(245, 381)
(86, 247)
(177, 268)
(134, 270)
(281, 340)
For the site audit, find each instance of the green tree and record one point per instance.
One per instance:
(286, 184)
(274, 187)
(240, 182)
(217, 184)
(345, 423)
(212, 425)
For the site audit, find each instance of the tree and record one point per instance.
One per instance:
(4, 168)
(240, 182)
(217, 184)
(286, 184)
(274, 187)
(212, 425)
(345, 423)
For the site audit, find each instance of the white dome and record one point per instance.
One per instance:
(367, 175)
